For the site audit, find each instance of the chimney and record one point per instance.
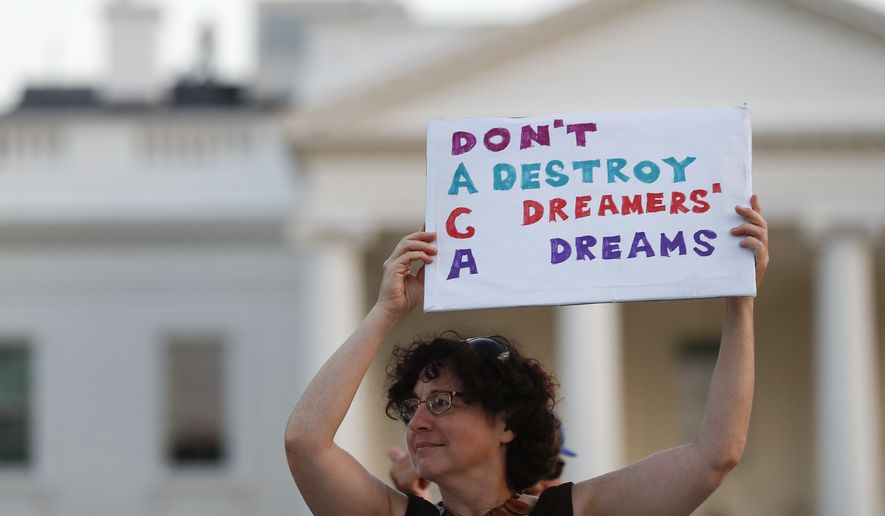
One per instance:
(132, 45)
(282, 34)
(206, 63)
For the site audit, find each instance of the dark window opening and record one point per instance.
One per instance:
(195, 401)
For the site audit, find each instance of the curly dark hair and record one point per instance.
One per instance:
(516, 385)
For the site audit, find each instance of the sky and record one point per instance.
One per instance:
(54, 41)
(61, 41)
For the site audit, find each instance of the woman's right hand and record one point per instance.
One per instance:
(401, 290)
(405, 478)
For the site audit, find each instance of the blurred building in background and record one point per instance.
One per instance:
(634, 376)
(149, 297)
(177, 260)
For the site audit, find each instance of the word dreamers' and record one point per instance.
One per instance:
(557, 208)
(616, 170)
(651, 202)
(497, 139)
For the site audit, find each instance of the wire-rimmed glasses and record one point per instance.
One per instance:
(438, 402)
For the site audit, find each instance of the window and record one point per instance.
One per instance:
(195, 415)
(696, 359)
(15, 403)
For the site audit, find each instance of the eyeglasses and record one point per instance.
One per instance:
(437, 403)
(442, 401)
(490, 344)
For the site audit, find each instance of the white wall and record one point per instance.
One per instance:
(97, 320)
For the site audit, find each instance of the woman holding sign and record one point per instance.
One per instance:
(479, 417)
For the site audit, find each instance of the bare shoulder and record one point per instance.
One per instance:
(397, 502)
(583, 496)
(672, 482)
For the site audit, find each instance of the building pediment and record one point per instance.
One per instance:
(803, 66)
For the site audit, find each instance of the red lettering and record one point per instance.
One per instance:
(582, 206)
(532, 211)
(607, 204)
(556, 209)
(654, 202)
(700, 206)
(450, 224)
(676, 203)
(631, 204)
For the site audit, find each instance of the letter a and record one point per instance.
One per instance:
(461, 179)
(463, 259)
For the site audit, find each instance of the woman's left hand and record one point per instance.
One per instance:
(755, 229)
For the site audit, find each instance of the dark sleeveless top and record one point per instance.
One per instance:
(554, 501)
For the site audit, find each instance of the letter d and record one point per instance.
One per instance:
(560, 250)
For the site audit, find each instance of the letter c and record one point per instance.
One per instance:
(450, 224)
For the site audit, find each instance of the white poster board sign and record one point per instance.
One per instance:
(587, 208)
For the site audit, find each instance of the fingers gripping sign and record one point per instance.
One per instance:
(401, 289)
(755, 231)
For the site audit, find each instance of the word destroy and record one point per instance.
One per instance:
(529, 176)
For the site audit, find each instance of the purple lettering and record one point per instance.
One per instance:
(582, 247)
(500, 132)
(705, 249)
(560, 250)
(463, 259)
(668, 245)
(462, 141)
(529, 135)
(611, 247)
(581, 131)
(640, 245)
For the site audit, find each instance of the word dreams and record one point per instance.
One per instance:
(609, 247)
(589, 247)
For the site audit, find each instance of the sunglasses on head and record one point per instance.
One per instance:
(489, 345)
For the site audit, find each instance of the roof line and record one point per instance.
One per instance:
(847, 12)
(502, 45)
(499, 45)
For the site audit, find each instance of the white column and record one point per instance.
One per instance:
(337, 306)
(846, 391)
(588, 339)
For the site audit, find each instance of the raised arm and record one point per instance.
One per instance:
(331, 480)
(675, 482)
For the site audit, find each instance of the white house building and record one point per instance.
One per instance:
(158, 296)
(149, 296)
(175, 266)
(634, 376)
